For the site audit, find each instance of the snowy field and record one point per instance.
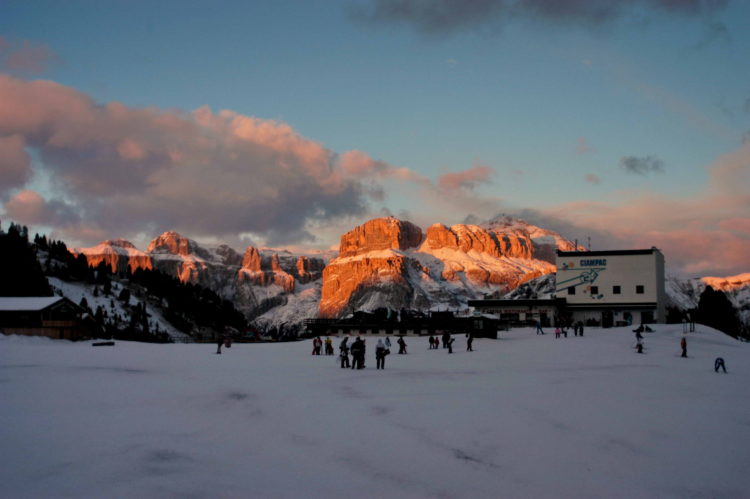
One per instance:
(526, 416)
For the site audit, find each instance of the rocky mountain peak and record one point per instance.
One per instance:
(173, 243)
(380, 234)
(118, 243)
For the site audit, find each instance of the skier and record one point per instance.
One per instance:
(401, 345)
(469, 341)
(380, 352)
(719, 363)
(450, 344)
(683, 345)
(343, 345)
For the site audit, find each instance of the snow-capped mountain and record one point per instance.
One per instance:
(383, 263)
(685, 293)
(387, 262)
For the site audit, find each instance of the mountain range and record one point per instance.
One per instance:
(385, 262)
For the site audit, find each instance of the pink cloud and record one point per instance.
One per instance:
(14, 163)
(593, 179)
(582, 146)
(467, 179)
(708, 231)
(25, 56)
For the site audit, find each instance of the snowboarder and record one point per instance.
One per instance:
(401, 345)
(683, 345)
(469, 341)
(719, 363)
(450, 344)
(380, 352)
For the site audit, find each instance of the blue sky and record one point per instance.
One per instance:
(582, 117)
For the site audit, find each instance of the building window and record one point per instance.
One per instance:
(571, 290)
(594, 290)
(615, 290)
(639, 289)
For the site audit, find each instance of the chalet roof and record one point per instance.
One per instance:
(27, 303)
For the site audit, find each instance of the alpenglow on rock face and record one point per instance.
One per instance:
(389, 263)
(384, 262)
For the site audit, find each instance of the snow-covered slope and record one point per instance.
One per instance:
(525, 416)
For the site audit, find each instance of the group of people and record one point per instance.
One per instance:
(358, 348)
(318, 345)
(448, 340)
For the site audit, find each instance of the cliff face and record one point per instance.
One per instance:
(385, 262)
(118, 254)
(380, 234)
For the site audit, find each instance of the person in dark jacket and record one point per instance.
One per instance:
(683, 345)
(719, 364)
(469, 341)
(450, 344)
(344, 353)
(401, 345)
(358, 354)
(445, 338)
(380, 352)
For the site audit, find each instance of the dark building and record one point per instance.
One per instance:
(51, 316)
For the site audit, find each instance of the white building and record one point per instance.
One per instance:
(612, 287)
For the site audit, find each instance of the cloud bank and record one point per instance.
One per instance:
(449, 16)
(642, 166)
(209, 174)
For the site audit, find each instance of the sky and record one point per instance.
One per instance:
(288, 123)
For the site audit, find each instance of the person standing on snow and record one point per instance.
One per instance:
(683, 345)
(539, 328)
(380, 352)
(450, 344)
(401, 345)
(219, 343)
(719, 364)
(469, 341)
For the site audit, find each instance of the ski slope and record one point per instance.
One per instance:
(525, 416)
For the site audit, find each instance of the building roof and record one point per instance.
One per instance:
(517, 303)
(27, 303)
(609, 252)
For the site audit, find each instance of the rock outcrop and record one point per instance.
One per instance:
(380, 234)
(118, 254)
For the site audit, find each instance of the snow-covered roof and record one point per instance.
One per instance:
(27, 303)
